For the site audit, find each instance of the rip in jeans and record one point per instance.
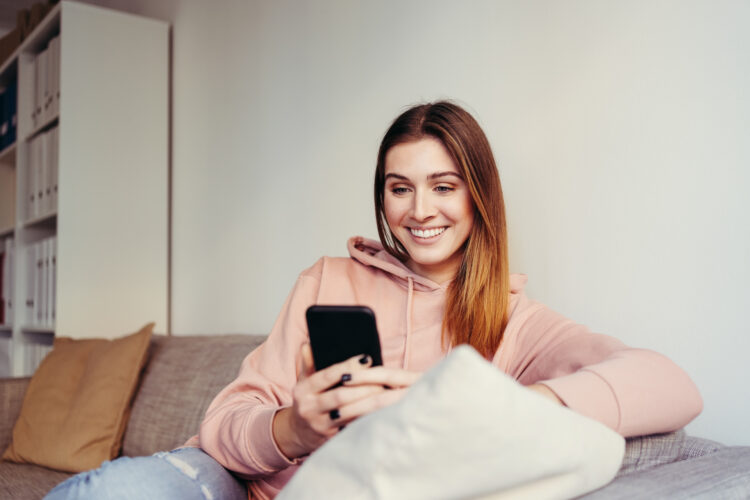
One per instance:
(190, 472)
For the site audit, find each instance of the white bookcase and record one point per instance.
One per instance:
(95, 163)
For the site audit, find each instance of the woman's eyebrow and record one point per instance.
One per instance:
(436, 175)
(396, 176)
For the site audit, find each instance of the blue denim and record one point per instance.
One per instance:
(185, 474)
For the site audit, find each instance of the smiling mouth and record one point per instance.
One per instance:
(426, 233)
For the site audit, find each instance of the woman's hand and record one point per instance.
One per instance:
(394, 383)
(317, 413)
(546, 392)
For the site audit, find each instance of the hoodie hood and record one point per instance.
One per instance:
(371, 253)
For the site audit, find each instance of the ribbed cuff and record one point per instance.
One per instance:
(264, 446)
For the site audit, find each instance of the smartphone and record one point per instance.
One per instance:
(339, 332)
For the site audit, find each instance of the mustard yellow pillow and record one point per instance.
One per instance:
(77, 404)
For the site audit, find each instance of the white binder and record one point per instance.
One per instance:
(31, 183)
(9, 279)
(53, 280)
(46, 164)
(30, 284)
(41, 313)
(39, 292)
(54, 56)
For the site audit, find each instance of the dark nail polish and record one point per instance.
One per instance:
(364, 359)
(334, 414)
(346, 377)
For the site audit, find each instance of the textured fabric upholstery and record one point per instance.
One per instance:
(182, 376)
(26, 481)
(643, 453)
(11, 400)
(724, 473)
(676, 465)
(697, 447)
(647, 452)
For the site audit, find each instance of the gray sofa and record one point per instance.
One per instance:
(183, 374)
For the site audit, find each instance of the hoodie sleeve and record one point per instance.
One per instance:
(633, 391)
(236, 430)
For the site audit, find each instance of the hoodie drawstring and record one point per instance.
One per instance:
(409, 301)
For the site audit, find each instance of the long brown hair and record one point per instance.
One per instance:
(476, 310)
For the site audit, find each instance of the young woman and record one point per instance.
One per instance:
(439, 277)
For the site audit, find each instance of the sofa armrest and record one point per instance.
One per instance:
(12, 391)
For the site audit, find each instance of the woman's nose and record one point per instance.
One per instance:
(423, 207)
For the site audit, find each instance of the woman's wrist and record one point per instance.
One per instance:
(284, 436)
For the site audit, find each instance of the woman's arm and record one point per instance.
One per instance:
(633, 391)
(237, 428)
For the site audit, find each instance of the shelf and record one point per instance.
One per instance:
(101, 230)
(48, 28)
(43, 220)
(49, 124)
(38, 331)
(44, 336)
(8, 155)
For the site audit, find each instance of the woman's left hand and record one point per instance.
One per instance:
(395, 381)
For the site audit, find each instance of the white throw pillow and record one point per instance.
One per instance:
(464, 430)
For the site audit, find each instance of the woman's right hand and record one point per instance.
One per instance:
(315, 414)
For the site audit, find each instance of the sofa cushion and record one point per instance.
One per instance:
(722, 473)
(77, 403)
(183, 375)
(27, 482)
(645, 452)
(694, 447)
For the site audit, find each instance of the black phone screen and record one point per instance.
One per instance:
(339, 332)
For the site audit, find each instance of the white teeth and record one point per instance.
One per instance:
(426, 233)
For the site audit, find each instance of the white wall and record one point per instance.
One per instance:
(621, 130)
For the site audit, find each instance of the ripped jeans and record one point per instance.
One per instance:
(185, 473)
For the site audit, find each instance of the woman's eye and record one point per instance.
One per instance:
(444, 189)
(399, 190)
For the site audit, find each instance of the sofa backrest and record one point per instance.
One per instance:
(182, 376)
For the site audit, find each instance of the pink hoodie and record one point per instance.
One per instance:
(633, 391)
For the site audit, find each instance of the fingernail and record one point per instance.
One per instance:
(364, 359)
(334, 414)
(346, 377)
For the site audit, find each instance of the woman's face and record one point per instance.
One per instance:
(428, 207)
